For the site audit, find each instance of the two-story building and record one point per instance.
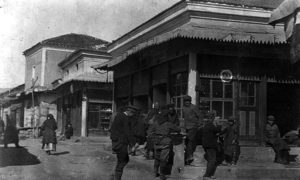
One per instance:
(84, 95)
(223, 53)
(44, 66)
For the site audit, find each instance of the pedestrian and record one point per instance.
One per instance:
(272, 136)
(68, 131)
(2, 126)
(150, 120)
(163, 145)
(210, 145)
(11, 134)
(193, 121)
(173, 117)
(122, 137)
(49, 136)
(231, 142)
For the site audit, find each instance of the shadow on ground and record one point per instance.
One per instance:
(12, 156)
(60, 153)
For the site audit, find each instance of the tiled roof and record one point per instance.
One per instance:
(77, 41)
(264, 4)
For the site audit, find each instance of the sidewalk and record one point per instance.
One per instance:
(254, 163)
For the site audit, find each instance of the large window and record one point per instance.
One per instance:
(216, 95)
(179, 84)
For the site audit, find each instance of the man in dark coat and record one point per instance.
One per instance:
(162, 130)
(173, 117)
(10, 133)
(193, 120)
(231, 142)
(122, 136)
(49, 136)
(272, 136)
(210, 145)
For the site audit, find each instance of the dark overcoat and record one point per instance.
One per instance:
(209, 136)
(121, 132)
(231, 139)
(48, 130)
(11, 134)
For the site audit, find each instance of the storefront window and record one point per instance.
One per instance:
(179, 90)
(247, 94)
(218, 96)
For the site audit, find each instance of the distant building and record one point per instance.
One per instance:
(47, 62)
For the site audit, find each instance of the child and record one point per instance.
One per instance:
(69, 131)
(231, 143)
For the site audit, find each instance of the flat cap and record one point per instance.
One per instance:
(187, 98)
(271, 117)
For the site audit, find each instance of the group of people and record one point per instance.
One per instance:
(158, 128)
(163, 127)
(47, 131)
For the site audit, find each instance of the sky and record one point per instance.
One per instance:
(27, 22)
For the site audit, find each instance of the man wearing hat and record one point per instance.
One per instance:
(272, 136)
(193, 120)
(122, 137)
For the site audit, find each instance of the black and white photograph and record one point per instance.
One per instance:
(150, 89)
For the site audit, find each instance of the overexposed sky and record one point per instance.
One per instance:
(27, 22)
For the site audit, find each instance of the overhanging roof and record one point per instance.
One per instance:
(207, 30)
(203, 21)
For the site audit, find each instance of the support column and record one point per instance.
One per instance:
(262, 103)
(84, 115)
(193, 74)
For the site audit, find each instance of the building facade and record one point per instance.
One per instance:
(221, 53)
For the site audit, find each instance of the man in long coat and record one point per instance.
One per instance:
(193, 120)
(122, 136)
(210, 145)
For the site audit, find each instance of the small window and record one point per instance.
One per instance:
(77, 67)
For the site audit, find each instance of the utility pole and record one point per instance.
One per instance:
(34, 80)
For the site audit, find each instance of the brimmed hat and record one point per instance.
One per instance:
(132, 108)
(187, 98)
(271, 118)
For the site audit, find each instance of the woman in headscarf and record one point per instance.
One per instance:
(11, 133)
(49, 136)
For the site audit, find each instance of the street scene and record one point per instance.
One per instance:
(156, 90)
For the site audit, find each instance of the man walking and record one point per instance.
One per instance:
(193, 120)
(210, 145)
(122, 137)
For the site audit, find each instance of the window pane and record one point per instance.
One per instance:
(217, 89)
(228, 109)
(243, 101)
(244, 90)
(205, 105)
(217, 105)
(251, 101)
(205, 88)
(228, 90)
(251, 89)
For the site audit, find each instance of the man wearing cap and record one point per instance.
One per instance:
(122, 137)
(193, 120)
(272, 136)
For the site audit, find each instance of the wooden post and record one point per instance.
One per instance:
(262, 103)
(192, 79)
(84, 114)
